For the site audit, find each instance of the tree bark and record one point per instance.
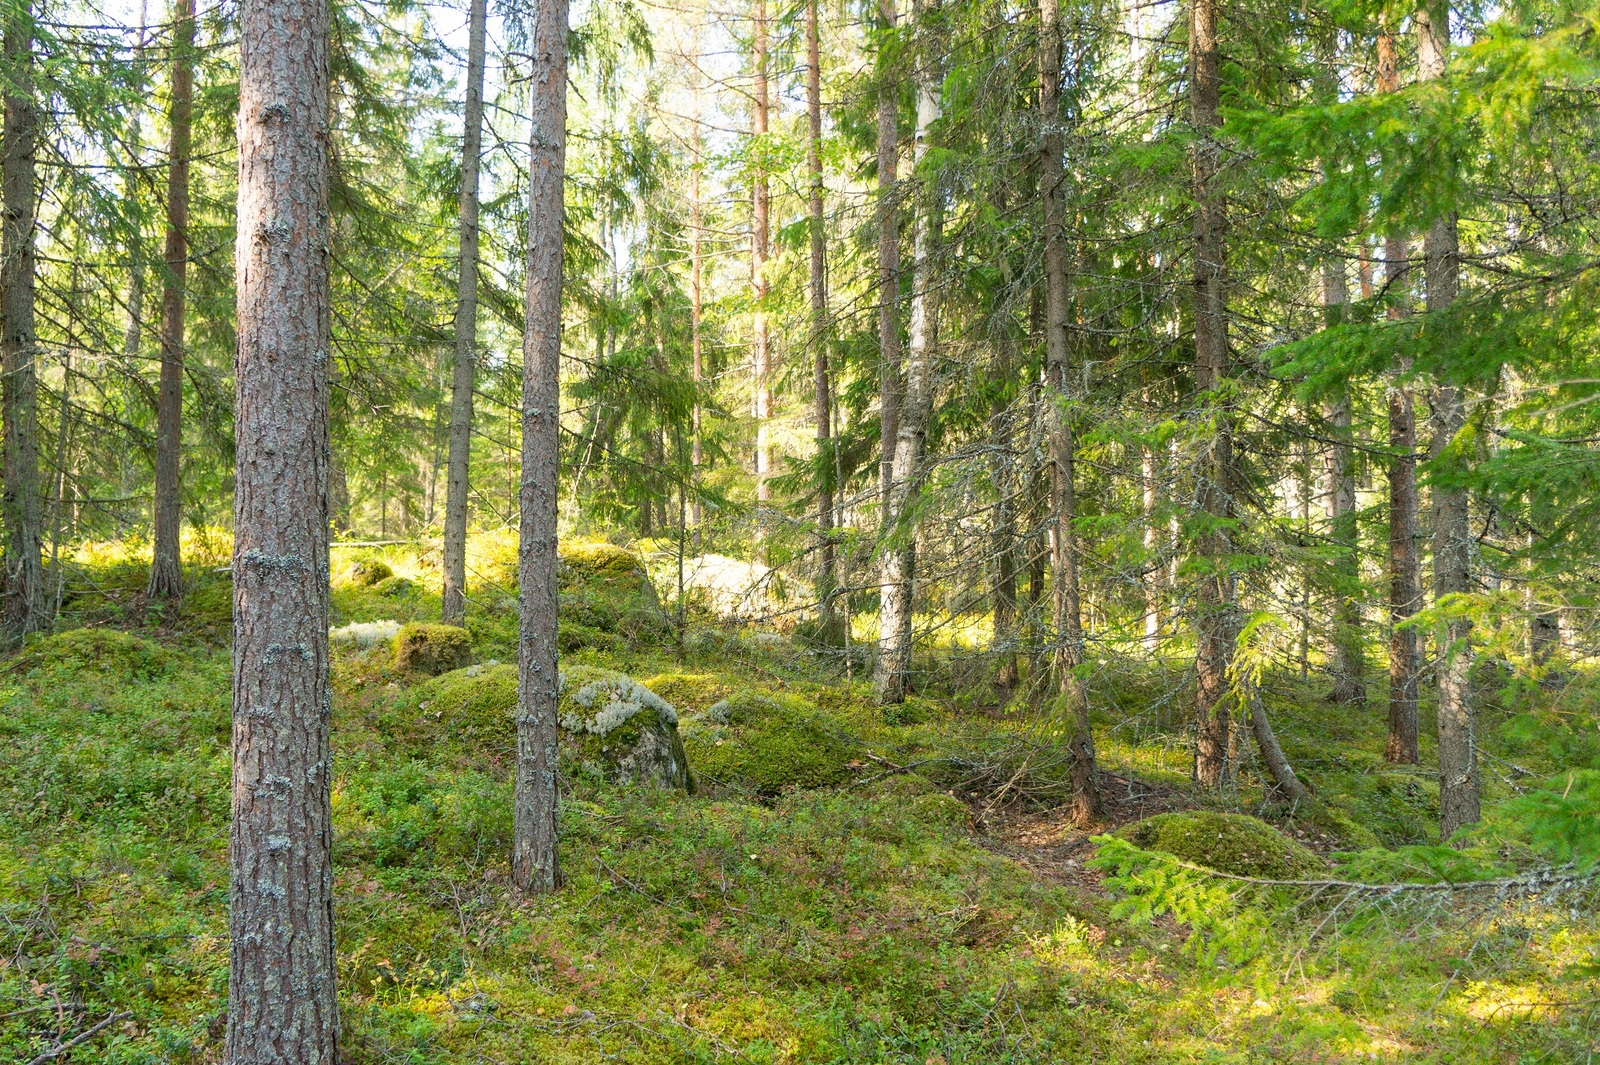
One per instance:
(282, 999)
(1217, 620)
(898, 571)
(1405, 568)
(889, 354)
(760, 244)
(1452, 535)
(1003, 541)
(534, 865)
(24, 608)
(166, 564)
(454, 611)
(1284, 780)
(1346, 662)
(1154, 584)
(828, 578)
(696, 312)
(1072, 699)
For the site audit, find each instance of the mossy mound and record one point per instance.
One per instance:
(368, 572)
(572, 637)
(604, 589)
(769, 743)
(689, 692)
(432, 649)
(98, 650)
(395, 587)
(610, 723)
(1228, 843)
(597, 556)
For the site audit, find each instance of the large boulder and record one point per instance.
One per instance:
(769, 744)
(432, 649)
(1228, 843)
(610, 724)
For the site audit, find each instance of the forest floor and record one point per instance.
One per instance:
(847, 883)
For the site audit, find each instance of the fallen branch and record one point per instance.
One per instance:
(77, 1040)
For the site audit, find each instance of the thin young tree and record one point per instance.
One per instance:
(1339, 505)
(1452, 533)
(23, 606)
(763, 363)
(899, 549)
(166, 568)
(534, 865)
(1405, 569)
(889, 354)
(282, 996)
(1072, 701)
(822, 406)
(1216, 622)
(454, 611)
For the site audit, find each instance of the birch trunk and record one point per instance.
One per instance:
(534, 865)
(459, 463)
(282, 998)
(898, 571)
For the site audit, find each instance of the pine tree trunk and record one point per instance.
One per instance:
(696, 313)
(760, 242)
(828, 578)
(1217, 621)
(1452, 534)
(889, 354)
(454, 611)
(1346, 663)
(282, 998)
(1073, 702)
(1405, 568)
(534, 865)
(898, 572)
(166, 569)
(24, 608)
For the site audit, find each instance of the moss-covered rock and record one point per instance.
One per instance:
(367, 572)
(432, 649)
(1228, 843)
(395, 587)
(769, 743)
(689, 692)
(99, 650)
(609, 723)
(604, 588)
(618, 725)
(572, 636)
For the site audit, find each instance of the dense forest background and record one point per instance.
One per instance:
(1126, 406)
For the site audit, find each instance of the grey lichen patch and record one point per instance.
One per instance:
(599, 702)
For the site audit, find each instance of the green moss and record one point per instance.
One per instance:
(572, 636)
(770, 744)
(99, 650)
(1228, 843)
(597, 556)
(689, 692)
(432, 649)
(368, 572)
(395, 587)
